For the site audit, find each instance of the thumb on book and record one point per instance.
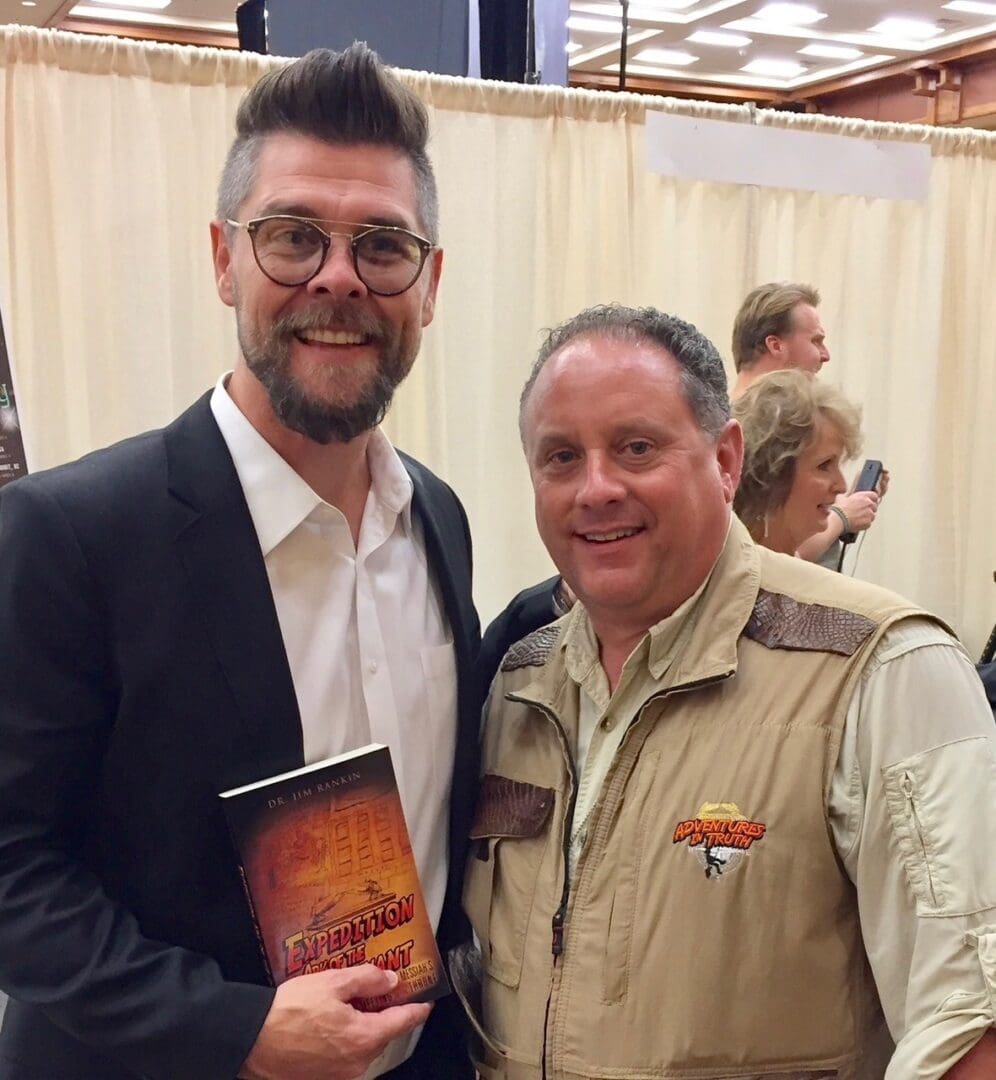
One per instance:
(361, 981)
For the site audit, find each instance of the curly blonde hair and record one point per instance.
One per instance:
(779, 414)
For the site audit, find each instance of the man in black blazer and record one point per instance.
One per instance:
(144, 629)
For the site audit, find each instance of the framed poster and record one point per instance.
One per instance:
(12, 462)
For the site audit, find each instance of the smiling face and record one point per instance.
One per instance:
(816, 483)
(323, 358)
(632, 497)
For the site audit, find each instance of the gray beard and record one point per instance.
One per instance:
(321, 421)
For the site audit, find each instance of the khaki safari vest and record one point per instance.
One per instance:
(709, 930)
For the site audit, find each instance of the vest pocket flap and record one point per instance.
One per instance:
(510, 808)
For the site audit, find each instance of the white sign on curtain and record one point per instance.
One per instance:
(700, 149)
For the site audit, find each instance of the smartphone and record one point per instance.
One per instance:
(868, 480)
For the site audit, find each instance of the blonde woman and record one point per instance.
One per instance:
(797, 433)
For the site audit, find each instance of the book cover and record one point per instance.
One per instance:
(328, 868)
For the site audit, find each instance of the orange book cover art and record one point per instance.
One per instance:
(331, 877)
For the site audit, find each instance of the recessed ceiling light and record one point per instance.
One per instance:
(973, 7)
(28, 3)
(793, 14)
(646, 7)
(148, 5)
(718, 37)
(779, 69)
(665, 56)
(832, 52)
(598, 26)
(906, 29)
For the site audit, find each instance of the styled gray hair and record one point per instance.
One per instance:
(344, 99)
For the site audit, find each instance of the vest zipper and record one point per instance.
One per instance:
(560, 915)
(909, 791)
(557, 928)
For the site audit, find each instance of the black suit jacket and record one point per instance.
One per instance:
(144, 672)
(527, 611)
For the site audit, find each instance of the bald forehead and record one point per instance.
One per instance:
(581, 366)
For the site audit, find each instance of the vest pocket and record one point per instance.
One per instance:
(509, 836)
(466, 977)
(935, 847)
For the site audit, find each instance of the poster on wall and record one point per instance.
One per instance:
(12, 462)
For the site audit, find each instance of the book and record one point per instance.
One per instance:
(328, 869)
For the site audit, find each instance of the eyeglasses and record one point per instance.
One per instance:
(291, 250)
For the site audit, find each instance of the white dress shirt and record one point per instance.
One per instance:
(367, 640)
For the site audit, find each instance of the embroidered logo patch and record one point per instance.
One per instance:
(719, 836)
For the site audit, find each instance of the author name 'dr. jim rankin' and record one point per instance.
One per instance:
(325, 785)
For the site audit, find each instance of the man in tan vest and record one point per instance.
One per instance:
(737, 814)
(778, 326)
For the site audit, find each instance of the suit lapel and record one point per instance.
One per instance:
(446, 547)
(219, 549)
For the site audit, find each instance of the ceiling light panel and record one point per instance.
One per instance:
(972, 7)
(831, 52)
(666, 5)
(793, 14)
(595, 26)
(719, 37)
(145, 5)
(905, 29)
(777, 69)
(669, 57)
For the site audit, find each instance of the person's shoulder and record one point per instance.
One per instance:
(533, 650)
(95, 479)
(121, 475)
(533, 607)
(802, 606)
(529, 610)
(424, 478)
(809, 584)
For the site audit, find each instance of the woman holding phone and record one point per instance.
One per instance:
(798, 431)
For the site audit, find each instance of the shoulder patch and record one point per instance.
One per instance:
(779, 622)
(533, 650)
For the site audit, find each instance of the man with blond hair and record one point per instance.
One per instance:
(778, 327)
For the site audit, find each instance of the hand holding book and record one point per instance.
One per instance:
(330, 875)
(314, 1032)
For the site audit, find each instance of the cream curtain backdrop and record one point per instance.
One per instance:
(111, 156)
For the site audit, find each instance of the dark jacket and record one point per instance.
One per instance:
(144, 673)
(528, 611)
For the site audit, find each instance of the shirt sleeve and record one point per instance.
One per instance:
(912, 810)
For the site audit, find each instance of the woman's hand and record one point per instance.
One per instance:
(860, 508)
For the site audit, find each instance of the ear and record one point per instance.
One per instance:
(429, 300)
(774, 344)
(730, 457)
(221, 253)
